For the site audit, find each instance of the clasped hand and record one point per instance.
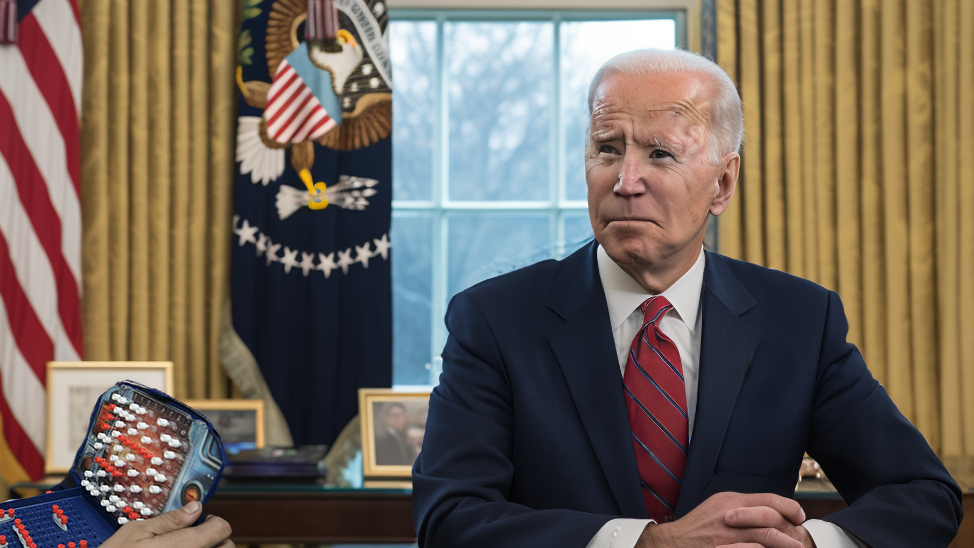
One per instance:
(173, 529)
(734, 520)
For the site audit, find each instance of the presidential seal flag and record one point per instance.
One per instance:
(40, 218)
(311, 288)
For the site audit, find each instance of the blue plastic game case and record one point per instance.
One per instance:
(145, 453)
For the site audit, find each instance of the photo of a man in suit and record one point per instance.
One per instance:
(391, 444)
(645, 392)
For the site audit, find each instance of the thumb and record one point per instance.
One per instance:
(174, 520)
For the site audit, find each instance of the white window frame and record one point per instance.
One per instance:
(440, 208)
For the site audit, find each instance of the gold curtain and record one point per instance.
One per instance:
(157, 163)
(858, 174)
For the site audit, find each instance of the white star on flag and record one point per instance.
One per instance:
(382, 246)
(363, 254)
(327, 263)
(261, 244)
(290, 259)
(272, 252)
(345, 260)
(307, 262)
(246, 233)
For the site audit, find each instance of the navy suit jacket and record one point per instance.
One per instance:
(528, 442)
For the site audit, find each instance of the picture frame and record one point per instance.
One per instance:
(240, 423)
(393, 424)
(73, 389)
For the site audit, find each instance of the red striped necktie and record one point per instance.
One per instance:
(656, 402)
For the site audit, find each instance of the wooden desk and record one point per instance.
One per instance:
(329, 516)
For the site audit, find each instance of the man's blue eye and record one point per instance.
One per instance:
(609, 149)
(660, 153)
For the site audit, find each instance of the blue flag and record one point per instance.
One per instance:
(311, 289)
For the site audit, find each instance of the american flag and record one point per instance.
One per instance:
(40, 221)
(293, 113)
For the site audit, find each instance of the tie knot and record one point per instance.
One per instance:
(654, 308)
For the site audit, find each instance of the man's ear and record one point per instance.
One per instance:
(726, 183)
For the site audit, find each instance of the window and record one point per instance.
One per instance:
(489, 124)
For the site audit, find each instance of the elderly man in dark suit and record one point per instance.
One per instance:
(729, 371)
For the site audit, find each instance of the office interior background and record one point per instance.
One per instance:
(857, 171)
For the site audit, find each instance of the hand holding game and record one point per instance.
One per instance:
(173, 529)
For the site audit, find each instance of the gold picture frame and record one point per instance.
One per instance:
(393, 424)
(73, 389)
(240, 423)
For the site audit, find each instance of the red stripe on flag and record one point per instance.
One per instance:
(47, 225)
(275, 93)
(74, 10)
(298, 113)
(53, 83)
(20, 444)
(34, 342)
(301, 88)
(322, 122)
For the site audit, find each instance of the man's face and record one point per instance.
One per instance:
(648, 166)
(396, 418)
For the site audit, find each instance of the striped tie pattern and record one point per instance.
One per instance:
(656, 403)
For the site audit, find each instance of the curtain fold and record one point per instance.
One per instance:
(858, 174)
(157, 142)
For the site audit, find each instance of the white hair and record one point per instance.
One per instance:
(725, 117)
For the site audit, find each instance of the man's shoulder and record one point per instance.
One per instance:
(767, 284)
(529, 286)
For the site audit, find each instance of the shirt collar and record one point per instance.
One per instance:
(623, 294)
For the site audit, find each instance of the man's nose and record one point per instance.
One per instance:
(632, 176)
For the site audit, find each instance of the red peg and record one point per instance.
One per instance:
(70, 545)
(133, 516)
(54, 507)
(60, 546)
(64, 520)
(127, 510)
(83, 544)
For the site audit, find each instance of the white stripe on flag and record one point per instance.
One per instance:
(43, 137)
(32, 265)
(284, 118)
(23, 391)
(56, 19)
(318, 116)
(296, 121)
(278, 98)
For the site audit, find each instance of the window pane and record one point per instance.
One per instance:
(578, 231)
(412, 46)
(499, 77)
(483, 245)
(412, 293)
(584, 47)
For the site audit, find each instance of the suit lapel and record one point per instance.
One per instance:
(581, 338)
(727, 346)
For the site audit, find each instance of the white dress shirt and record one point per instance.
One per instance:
(683, 325)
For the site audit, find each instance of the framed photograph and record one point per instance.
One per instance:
(73, 388)
(393, 426)
(239, 422)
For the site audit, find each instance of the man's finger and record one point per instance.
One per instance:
(174, 520)
(788, 508)
(767, 537)
(741, 545)
(212, 533)
(756, 516)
